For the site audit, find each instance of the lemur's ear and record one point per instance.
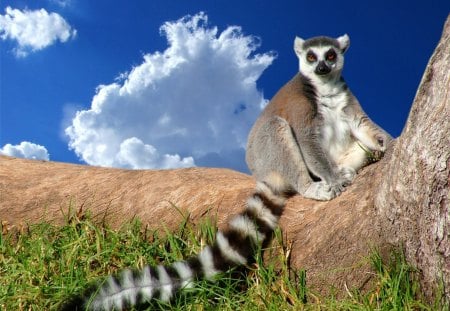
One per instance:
(344, 43)
(298, 45)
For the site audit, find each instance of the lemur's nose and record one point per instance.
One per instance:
(322, 68)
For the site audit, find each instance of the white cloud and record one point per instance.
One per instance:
(26, 150)
(33, 30)
(62, 3)
(134, 153)
(193, 103)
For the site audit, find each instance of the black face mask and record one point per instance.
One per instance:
(322, 69)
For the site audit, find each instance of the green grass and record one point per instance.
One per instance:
(42, 264)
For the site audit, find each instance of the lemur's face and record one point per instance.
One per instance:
(321, 56)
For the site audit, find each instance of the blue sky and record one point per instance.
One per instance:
(165, 83)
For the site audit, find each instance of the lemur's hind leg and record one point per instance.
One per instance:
(274, 148)
(353, 159)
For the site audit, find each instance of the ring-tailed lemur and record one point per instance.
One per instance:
(236, 246)
(312, 129)
(314, 132)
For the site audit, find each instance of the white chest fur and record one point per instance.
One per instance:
(335, 131)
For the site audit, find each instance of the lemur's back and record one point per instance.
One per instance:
(290, 103)
(288, 113)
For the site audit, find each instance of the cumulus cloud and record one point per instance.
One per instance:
(26, 150)
(33, 30)
(191, 104)
(134, 153)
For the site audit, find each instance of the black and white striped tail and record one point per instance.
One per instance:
(236, 246)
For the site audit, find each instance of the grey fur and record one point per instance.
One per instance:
(320, 41)
(314, 132)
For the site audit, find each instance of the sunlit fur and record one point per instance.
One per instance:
(314, 132)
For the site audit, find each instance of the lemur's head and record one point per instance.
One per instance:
(321, 57)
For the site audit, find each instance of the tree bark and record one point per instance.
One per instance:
(413, 199)
(401, 200)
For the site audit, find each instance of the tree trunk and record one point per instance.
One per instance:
(413, 199)
(400, 200)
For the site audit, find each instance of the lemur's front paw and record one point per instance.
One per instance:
(382, 142)
(377, 151)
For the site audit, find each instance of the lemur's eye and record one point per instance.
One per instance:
(331, 56)
(311, 57)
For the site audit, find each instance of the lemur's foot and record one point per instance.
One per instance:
(346, 176)
(320, 191)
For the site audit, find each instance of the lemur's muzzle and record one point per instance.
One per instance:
(322, 68)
